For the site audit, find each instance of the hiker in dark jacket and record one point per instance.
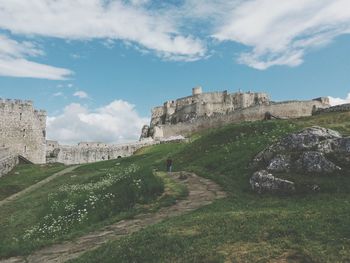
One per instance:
(169, 165)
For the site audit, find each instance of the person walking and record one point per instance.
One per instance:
(169, 165)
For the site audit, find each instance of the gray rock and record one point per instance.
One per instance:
(145, 133)
(315, 162)
(308, 138)
(264, 182)
(280, 163)
(341, 145)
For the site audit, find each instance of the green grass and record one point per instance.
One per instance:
(21, 221)
(25, 175)
(245, 227)
(172, 190)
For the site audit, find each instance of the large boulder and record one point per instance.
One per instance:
(262, 182)
(305, 151)
(312, 151)
(309, 138)
(314, 138)
(315, 162)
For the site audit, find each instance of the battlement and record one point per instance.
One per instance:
(91, 144)
(40, 113)
(10, 102)
(20, 106)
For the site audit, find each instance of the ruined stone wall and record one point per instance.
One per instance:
(157, 115)
(8, 161)
(51, 145)
(4, 152)
(7, 164)
(338, 108)
(291, 109)
(204, 104)
(23, 129)
(90, 152)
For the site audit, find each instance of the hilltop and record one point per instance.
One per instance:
(243, 227)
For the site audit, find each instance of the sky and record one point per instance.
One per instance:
(99, 66)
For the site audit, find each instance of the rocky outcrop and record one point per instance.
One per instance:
(280, 163)
(306, 152)
(262, 182)
(315, 162)
(145, 132)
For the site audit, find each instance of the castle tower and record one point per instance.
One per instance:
(23, 129)
(197, 91)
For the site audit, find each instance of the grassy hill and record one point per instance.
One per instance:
(85, 199)
(25, 175)
(245, 227)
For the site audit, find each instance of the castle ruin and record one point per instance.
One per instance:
(22, 133)
(90, 152)
(201, 111)
(23, 129)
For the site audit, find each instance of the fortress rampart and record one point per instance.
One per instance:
(293, 109)
(204, 105)
(89, 152)
(7, 161)
(338, 108)
(23, 129)
(208, 110)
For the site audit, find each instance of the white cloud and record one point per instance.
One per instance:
(101, 19)
(57, 94)
(81, 94)
(116, 122)
(14, 63)
(337, 101)
(281, 32)
(274, 32)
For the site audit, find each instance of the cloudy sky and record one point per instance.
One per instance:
(98, 66)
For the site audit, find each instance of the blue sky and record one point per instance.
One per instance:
(121, 58)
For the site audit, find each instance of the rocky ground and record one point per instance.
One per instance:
(314, 151)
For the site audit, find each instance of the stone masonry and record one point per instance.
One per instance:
(23, 130)
(90, 152)
(7, 161)
(202, 111)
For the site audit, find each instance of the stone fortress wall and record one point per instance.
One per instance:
(204, 105)
(338, 108)
(7, 161)
(90, 152)
(23, 130)
(207, 110)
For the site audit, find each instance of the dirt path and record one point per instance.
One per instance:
(37, 185)
(201, 192)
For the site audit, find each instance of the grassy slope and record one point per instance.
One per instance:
(25, 175)
(246, 227)
(29, 210)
